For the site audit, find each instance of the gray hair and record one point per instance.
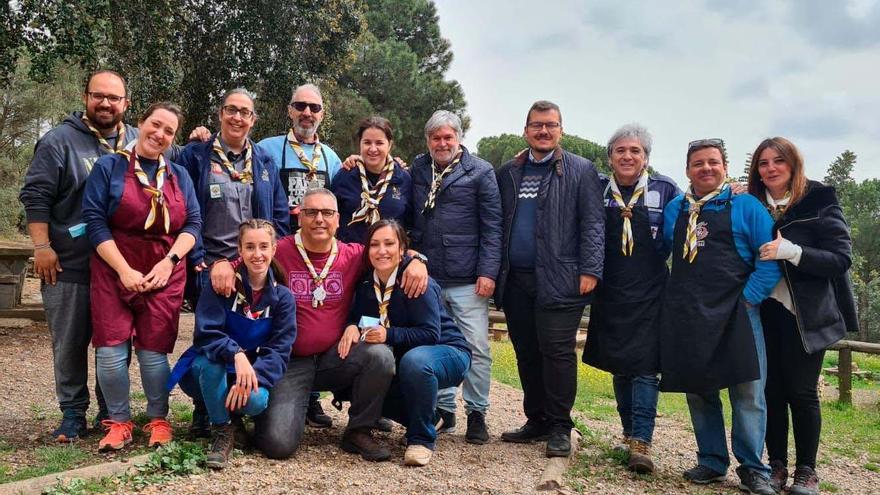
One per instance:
(239, 91)
(633, 130)
(443, 118)
(321, 190)
(310, 87)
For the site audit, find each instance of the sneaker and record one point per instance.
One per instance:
(315, 416)
(527, 433)
(200, 426)
(640, 457)
(778, 476)
(444, 421)
(73, 427)
(752, 482)
(160, 432)
(361, 442)
(559, 443)
(701, 475)
(476, 428)
(806, 481)
(221, 445)
(417, 455)
(118, 435)
(384, 425)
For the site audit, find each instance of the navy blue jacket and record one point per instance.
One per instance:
(570, 228)
(271, 358)
(462, 235)
(395, 204)
(269, 201)
(661, 190)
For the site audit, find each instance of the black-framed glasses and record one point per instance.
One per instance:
(300, 106)
(99, 97)
(230, 110)
(313, 212)
(706, 143)
(537, 126)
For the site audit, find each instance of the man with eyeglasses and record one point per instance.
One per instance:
(552, 259)
(710, 330)
(52, 199)
(305, 162)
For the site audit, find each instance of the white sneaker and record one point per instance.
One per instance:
(417, 455)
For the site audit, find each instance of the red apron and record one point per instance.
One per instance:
(119, 315)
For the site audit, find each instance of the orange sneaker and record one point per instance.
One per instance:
(118, 435)
(160, 431)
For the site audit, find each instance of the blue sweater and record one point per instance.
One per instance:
(752, 227)
(395, 204)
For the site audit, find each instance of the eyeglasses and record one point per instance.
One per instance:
(706, 143)
(313, 212)
(230, 110)
(300, 106)
(99, 97)
(537, 126)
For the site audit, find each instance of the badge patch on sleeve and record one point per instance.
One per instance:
(216, 191)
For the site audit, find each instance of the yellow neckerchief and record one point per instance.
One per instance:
(120, 135)
(627, 240)
(777, 208)
(241, 300)
(319, 293)
(372, 196)
(437, 180)
(312, 164)
(694, 207)
(246, 176)
(383, 297)
(157, 198)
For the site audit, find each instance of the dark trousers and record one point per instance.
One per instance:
(792, 380)
(544, 342)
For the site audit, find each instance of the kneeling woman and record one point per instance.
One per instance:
(430, 351)
(241, 343)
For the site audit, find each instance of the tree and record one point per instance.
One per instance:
(497, 150)
(11, 40)
(840, 172)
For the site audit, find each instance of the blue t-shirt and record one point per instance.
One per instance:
(292, 171)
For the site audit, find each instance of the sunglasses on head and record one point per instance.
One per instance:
(704, 143)
(300, 106)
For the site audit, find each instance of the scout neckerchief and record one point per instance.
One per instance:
(777, 208)
(312, 164)
(120, 136)
(384, 296)
(626, 209)
(241, 300)
(372, 196)
(319, 294)
(246, 176)
(157, 199)
(437, 180)
(694, 207)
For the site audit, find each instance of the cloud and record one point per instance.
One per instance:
(836, 24)
(636, 26)
(757, 87)
(813, 124)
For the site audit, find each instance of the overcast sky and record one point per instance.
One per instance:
(740, 70)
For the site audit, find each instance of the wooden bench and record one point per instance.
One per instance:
(14, 258)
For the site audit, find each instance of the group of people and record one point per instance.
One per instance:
(372, 280)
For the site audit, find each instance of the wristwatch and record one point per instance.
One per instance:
(175, 259)
(421, 257)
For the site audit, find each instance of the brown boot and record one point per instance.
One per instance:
(221, 445)
(361, 442)
(640, 457)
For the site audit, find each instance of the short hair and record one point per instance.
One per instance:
(398, 229)
(308, 86)
(789, 152)
(633, 130)
(375, 122)
(543, 106)
(321, 190)
(106, 71)
(443, 118)
(693, 147)
(164, 105)
(239, 91)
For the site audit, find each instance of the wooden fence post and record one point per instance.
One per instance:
(844, 375)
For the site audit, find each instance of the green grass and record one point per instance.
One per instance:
(181, 412)
(48, 460)
(828, 487)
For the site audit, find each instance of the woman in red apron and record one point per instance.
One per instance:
(142, 217)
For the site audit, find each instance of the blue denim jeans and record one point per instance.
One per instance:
(208, 381)
(412, 398)
(749, 417)
(471, 314)
(112, 372)
(637, 404)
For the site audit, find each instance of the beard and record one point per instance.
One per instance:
(307, 131)
(104, 121)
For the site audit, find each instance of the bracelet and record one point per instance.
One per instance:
(45, 245)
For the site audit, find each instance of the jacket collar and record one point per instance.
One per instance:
(556, 162)
(818, 196)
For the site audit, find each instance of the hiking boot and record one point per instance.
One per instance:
(315, 416)
(221, 446)
(160, 432)
(417, 455)
(384, 425)
(701, 475)
(806, 481)
(476, 428)
(623, 446)
(361, 442)
(444, 421)
(778, 476)
(640, 457)
(559, 443)
(752, 482)
(200, 426)
(73, 427)
(118, 435)
(527, 433)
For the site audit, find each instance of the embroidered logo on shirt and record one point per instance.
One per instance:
(702, 232)
(302, 285)
(395, 192)
(529, 187)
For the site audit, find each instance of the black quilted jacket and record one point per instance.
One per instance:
(570, 228)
